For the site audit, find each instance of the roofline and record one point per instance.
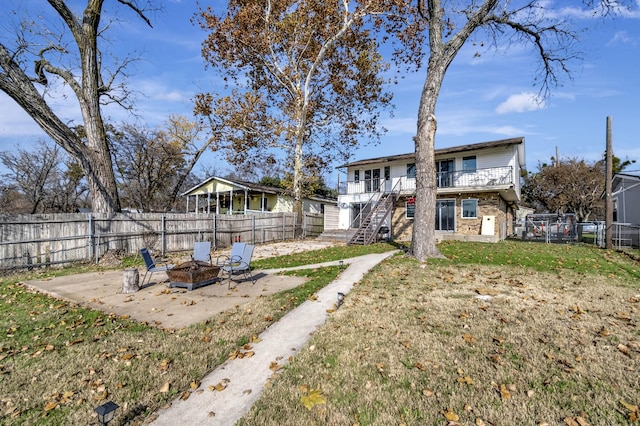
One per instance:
(248, 186)
(440, 151)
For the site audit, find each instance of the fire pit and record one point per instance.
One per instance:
(193, 274)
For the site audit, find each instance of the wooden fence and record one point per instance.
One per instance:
(49, 239)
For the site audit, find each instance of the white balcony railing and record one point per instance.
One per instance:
(481, 178)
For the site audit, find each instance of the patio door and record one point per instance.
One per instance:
(371, 180)
(444, 171)
(445, 215)
(358, 212)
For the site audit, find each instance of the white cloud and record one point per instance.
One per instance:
(621, 37)
(525, 101)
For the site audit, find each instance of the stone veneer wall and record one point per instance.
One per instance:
(489, 204)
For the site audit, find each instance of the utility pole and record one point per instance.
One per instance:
(608, 207)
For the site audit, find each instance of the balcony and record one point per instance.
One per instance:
(481, 180)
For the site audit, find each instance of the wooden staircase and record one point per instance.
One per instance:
(372, 222)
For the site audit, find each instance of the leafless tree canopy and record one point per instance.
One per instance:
(53, 51)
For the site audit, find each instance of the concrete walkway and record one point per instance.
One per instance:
(245, 378)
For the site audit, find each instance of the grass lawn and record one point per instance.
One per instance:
(58, 361)
(510, 333)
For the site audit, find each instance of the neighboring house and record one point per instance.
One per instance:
(223, 196)
(477, 196)
(626, 198)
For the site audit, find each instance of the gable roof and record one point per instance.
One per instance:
(440, 151)
(252, 187)
(621, 178)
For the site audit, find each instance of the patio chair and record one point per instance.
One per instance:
(241, 265)
(151, 265)
(237, 250)
(202, 252)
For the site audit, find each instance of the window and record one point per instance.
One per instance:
(470, 209)
(356, 176)
(387, 178)
(411, 170)
(371, 180)
(469, 164)
(445, 172)
(410, 208)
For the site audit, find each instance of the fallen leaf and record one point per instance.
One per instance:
(629, 406)
(274, 366)
(504, 392)
(624, 349)
(194, 385)
(487, 292)
(185, 395)
(313, 398)
(466, 379)
(450, 415)
(165, 388)
(220, 387)
(50, 406)
(469, 338)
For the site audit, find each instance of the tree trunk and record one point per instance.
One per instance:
(297, 185)
(130, 281)
(423, 243)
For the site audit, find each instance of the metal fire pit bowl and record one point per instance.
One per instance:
(193, 274)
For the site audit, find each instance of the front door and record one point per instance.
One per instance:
(445, 215)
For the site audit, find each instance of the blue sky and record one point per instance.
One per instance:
(483, 98)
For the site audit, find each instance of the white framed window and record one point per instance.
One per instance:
(469, 164)
(470, 208)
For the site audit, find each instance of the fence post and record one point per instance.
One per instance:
(304, 225)
(215, 233)
(284, 226)
(90, 236)
(162, 234)
(253, 229)
(97, 248)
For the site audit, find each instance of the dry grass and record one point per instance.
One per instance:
(58, 361)
(469, 344)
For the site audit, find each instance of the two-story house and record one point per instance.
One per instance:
(478, 191)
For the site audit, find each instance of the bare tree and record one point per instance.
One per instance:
(42, 180)
(33, 173)
(65, 50)
(450, 25)
(153, 166)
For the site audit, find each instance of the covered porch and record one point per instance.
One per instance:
(222, 196)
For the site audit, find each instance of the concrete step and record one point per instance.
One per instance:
(342, 235)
